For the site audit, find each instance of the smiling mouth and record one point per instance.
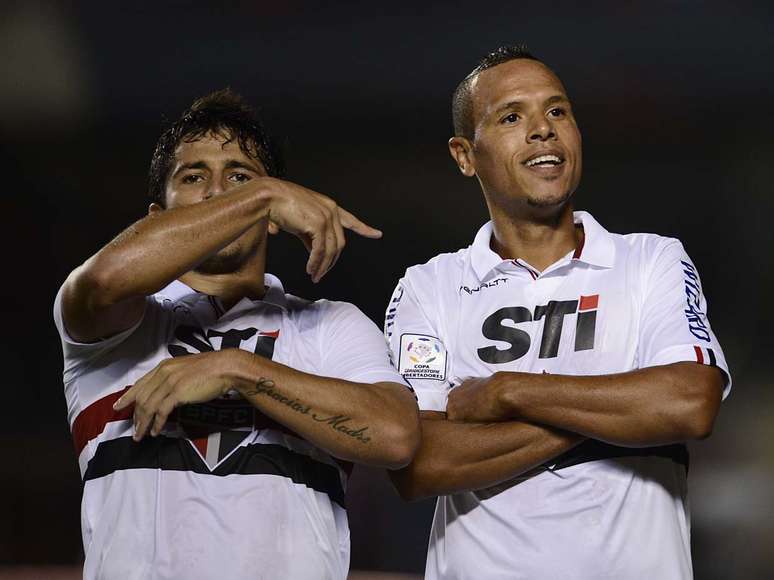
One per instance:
(544, 161)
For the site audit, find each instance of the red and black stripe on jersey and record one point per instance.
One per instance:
(177, 454)
(705, 356)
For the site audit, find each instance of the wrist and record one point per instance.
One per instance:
(266, 192)
(243, 369)
(257, 195)
(507, 395)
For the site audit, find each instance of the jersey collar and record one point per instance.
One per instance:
(598, 247)
(275, 293)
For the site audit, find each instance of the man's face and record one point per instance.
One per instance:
(205, 168)
(527, 147)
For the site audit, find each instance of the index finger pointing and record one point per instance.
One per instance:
(350, 222)
(130, 396)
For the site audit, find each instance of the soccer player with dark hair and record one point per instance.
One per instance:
(215, 416)
(559, 368)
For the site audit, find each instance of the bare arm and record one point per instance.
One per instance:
(455, 456)
(375, 424)
(105, 295)
(652, 406)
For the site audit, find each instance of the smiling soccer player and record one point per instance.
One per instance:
(567, 365)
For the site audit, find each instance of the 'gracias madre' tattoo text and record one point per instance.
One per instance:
(340, 423)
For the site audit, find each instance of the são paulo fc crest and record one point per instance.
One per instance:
(422, 357)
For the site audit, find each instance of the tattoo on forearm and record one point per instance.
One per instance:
(337, 424)
(267, 388)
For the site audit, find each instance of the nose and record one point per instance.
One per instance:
(541, 130)
(215, 187)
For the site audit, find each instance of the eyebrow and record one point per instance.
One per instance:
(230, 164)
(515, 104)
(235, 164)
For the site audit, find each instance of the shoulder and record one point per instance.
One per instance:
(651, 259)
(647, 251)
(332, 311)
(296, 305)
(647, 246)
(427, 277)
(323, 313)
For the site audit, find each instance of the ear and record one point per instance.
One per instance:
(461, 151)
(154, 207)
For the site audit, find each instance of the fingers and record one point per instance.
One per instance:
(147, 413)
(318, 222)
(130, 396)
(316, 256)
(327, 240)
(341, 239)
(324, 254)
(331, 253)
(126, 399)
(148, 395)
(352, 223)
(162, 414)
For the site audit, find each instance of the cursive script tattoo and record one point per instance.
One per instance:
(337, 423)
(267, 388)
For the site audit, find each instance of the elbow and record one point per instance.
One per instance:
(699, 391)
(698, 418)
(99, 282)
(401, 445)
(700, 426)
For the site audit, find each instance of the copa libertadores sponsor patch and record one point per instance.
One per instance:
(422, 357)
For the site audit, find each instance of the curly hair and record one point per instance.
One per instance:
(223, 113)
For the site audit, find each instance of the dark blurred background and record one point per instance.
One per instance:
(674, 99)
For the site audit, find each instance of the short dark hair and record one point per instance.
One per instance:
(462, 105)
(224, 113)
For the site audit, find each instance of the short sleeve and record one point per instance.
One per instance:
(79, 355)
(352, 347)
(416, 347)
(674, 324)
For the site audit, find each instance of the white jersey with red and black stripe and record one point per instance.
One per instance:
(224, 491)
(618, 303)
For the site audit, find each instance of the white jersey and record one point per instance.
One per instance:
(618, 303)
(223, 492)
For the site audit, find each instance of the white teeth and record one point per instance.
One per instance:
(543, 159)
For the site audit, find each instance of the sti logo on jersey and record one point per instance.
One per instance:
(554, 313)
(200, 341)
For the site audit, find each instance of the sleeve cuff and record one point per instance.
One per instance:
(693, 353)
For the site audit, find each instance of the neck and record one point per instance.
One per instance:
(230, 288)
(539, 242)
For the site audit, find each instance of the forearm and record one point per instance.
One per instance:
(652, 406)
(375, 424)
(164, 245)
(456, 456)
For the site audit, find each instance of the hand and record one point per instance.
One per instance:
(317, 221)
(478, 400)
(178, 381)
